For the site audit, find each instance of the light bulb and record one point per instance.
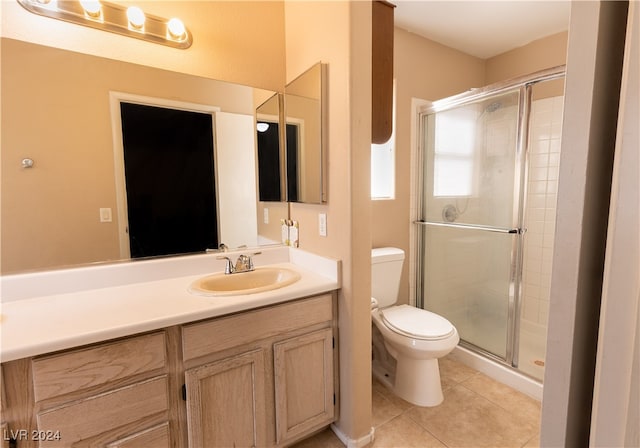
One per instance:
(91, 7)
(48, 4)
(136, 17)
(176, 28)
(262, 127)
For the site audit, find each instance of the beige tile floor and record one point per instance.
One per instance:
(477, 412)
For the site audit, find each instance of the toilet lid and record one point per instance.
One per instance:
(417, 323)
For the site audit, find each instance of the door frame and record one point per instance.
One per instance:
(115, 98)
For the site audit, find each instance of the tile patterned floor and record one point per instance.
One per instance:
(477, 412)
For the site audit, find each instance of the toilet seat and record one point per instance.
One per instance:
(416, 323)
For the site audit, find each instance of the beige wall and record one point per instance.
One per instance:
(427, 70)
(271, 232)
(338, 33)
(547, 52)
(241, 42)
(543, 53)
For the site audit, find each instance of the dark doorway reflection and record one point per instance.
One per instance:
(169, 175)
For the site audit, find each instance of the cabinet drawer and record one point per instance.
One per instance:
(80, 369)
(156, 437)
(106, 412)
(220, 334)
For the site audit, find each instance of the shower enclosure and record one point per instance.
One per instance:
(486, 214)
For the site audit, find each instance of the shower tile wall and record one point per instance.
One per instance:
(544, 156)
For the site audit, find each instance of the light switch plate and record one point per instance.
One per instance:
(105, 215)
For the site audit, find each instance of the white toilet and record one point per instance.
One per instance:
(415, 338)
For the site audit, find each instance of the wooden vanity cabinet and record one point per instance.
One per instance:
(113, 394)
(261, 378)
(264, 377)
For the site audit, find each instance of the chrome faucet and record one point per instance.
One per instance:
(244, 263)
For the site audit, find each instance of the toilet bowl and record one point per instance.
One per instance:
(414, 338)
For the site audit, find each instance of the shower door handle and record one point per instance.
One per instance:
(471, 227)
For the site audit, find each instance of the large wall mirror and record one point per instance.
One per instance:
(64, 111)
(304, 108)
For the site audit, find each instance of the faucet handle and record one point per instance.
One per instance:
(245, 263)
(228, 269)
(251, 260)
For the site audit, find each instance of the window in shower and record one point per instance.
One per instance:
(454, 172)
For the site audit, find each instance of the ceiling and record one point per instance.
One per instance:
(483, 28)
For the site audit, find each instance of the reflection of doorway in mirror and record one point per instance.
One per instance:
(169, 180)
(268, 140)
(296, 160)
(234, 160)
(293, 165)
(118, 98)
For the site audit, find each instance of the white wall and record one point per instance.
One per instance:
(540, 221)
(236, 182)
(616, 416)
(596, 43)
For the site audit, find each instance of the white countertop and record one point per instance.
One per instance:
(75, 312)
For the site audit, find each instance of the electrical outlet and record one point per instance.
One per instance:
(322, 224)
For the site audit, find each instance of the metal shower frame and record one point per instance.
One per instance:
(524, 86)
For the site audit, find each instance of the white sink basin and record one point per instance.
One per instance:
(258, 280)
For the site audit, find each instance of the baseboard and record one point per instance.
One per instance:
(353, 443)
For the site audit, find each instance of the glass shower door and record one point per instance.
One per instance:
(470, 217)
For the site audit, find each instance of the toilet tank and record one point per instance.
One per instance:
(386, 269)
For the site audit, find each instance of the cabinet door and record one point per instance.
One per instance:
(225, 402)
(303, 368)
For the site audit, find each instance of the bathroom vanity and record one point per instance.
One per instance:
(238, 370)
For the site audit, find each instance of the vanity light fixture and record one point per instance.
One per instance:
(115, 18)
